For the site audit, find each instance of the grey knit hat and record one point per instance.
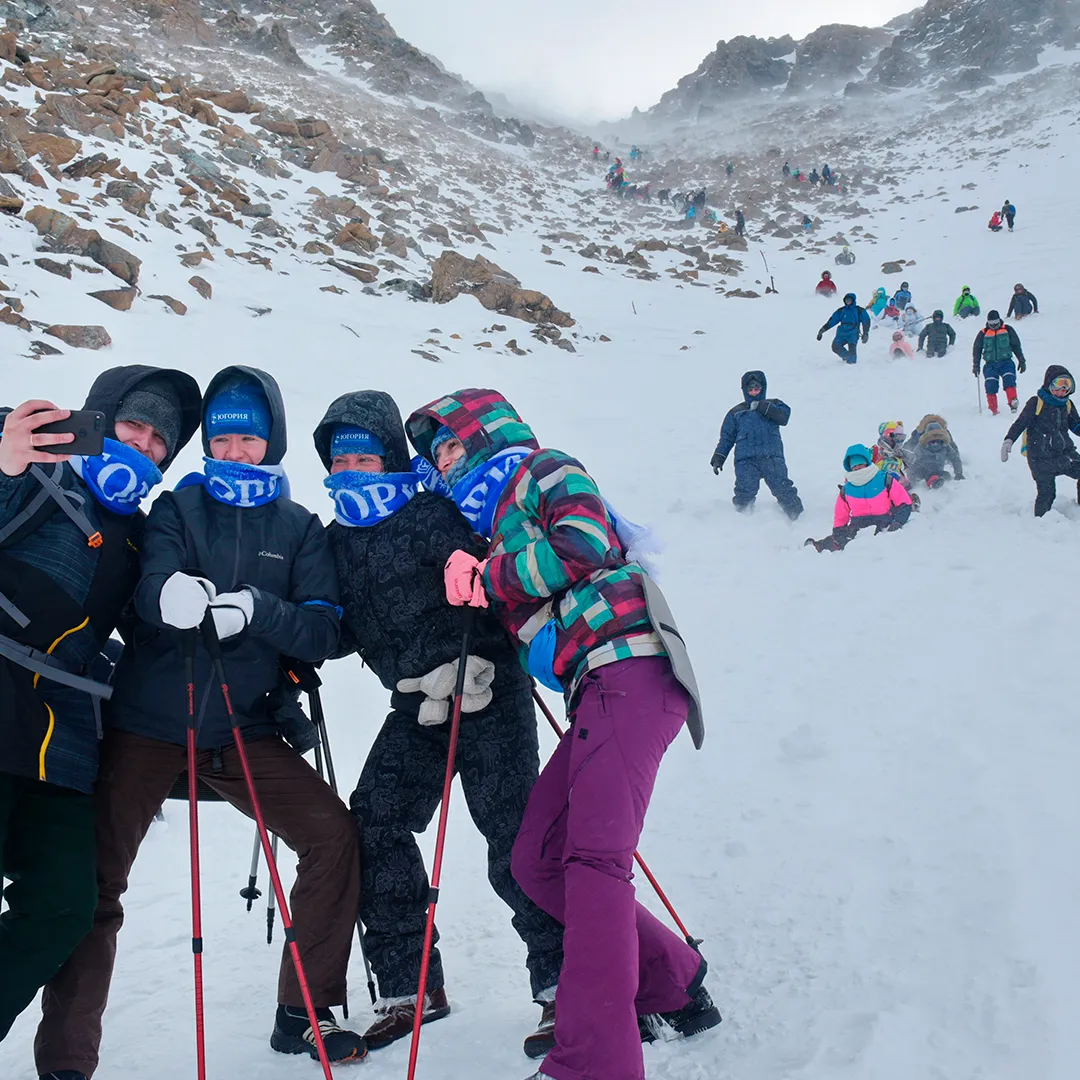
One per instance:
(154, 401)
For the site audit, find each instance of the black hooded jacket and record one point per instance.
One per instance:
(1047, 424)
(278, 551)
(396, 616)
(937, 334)
(74, 594)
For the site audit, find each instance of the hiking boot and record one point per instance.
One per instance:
(293, 1035)
(396, 1017)
(542, 1041)
(700, 1015)
(1014, 404)
(63, 1074)
(538, 1076)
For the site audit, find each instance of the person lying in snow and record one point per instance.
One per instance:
(931, 453)
(868, 498)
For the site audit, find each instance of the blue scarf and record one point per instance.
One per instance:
(119, 477)
(1051, 400)
(430, 477)
(477, 492)
(362, 498)
(236, 484)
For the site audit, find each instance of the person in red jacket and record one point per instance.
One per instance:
(826, 286)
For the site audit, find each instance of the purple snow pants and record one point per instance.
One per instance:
(574, 856)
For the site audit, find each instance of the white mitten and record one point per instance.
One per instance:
(232, 612)
(435, 684)
(184, 599)
(433, 711)
(471, 703)
(479, 675)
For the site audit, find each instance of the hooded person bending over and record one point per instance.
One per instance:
(268, 581)
(70, 529)
(937, 335)
(390, 542)
(591, 623)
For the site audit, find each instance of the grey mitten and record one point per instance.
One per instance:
(1006, 446)
(438, 683)
(476, 693)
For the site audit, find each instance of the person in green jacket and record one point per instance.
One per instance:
(967, 304)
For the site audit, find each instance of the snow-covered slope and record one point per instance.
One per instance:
(876, 842)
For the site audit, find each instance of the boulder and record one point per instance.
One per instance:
(81, 337)
(893, 267)
(176, 305)
(363, 272)
(54, 150)
(13, 157)
(201, 286)
(357, 238)
(118, 299)
(60, 269)
(134, 197)
(731, 240)
(497, 290)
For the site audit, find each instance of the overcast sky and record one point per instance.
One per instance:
(591, 59)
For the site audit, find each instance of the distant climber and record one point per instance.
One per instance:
(900, 346)
(850, 321)
(937, 335)
(995, 222)
(993, 349)
(740, 223)
(1008, 212)
(1022, 304)
(786, 170)
(846, 257)
(902, 296)
(967, 304)
(826, 286)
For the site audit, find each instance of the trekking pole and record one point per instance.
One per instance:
(319, 717)
(250, 893)
(213, 647)
(270, 902)
(193, 834)
(692, 941)
(436, 866)
(767, 270)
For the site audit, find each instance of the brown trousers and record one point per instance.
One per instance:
(136, 776)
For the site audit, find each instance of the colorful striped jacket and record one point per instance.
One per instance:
(553, 550)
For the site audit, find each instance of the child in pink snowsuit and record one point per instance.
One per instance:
(899, 346)
(589, 621)
(870, 497)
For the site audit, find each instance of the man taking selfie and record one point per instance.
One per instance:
(70, 525)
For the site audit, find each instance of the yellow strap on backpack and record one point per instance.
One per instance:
(1038, 409)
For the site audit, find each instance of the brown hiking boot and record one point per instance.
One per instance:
(541, 1042)
(396, 1015)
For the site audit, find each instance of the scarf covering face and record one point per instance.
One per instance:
(430, 477)
(362, 498)
(119, 478)
(235, 483)
(477, 493)
(864, 483)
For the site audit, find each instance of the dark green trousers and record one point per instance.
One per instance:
(47, 853)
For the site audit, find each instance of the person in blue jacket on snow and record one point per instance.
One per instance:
(849, 321)
(752, 428)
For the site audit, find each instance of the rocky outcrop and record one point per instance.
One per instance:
(833, 55)
(264, 39)
(733, 69)
(452, 274)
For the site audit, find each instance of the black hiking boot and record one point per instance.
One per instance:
(396, 1015)
(697, 1016)
(541, 1042)
(293, 1035)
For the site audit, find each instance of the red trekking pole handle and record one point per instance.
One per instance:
(468, 614)
(692, 941)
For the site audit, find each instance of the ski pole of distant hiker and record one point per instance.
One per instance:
(190, 643)
(440, 841)
(213, 647)
(692, 941)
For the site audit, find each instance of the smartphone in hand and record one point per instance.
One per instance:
(86, 425)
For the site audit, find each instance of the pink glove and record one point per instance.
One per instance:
(464, 577)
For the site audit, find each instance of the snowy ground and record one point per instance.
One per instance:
(876, 841)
